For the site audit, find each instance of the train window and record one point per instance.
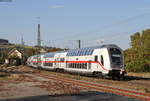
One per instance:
(48, 64)
(90, 52)
(77, 65)
(81, 52)
(70, 66)
(96, 58)
(82, 65)
(102, 60)
(78, 53)
(62, 59)
(55, 61)
(116, 56)
(84, 52)
(85, 65)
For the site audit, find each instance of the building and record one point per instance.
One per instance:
(16, 57)
(4, 41)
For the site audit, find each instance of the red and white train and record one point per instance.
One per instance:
(102, 61)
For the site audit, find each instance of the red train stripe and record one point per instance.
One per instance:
(104, 68)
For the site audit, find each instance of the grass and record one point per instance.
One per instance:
(144, 75)
(11, 77)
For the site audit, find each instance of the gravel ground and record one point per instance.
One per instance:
(24, 85)
(84, 96)
(33, 88)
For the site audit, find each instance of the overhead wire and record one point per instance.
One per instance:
(96, 32)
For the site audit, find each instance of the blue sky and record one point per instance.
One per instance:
(65, 21)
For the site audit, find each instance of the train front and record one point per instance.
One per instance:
(117, 63)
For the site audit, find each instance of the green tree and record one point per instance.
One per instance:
(137, 58)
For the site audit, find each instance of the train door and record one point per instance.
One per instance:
(62, 62)
(57, 62)
(96, 58)
(104, 60)
(89, 65)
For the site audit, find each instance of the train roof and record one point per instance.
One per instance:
(52, 54)
(49, 55)
(87, 51)
(80, 51)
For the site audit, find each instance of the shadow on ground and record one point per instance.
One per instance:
(84, 96)
(129, 78)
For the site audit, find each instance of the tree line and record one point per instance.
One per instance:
(137, 58)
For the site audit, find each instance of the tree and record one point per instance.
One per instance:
(137, 58)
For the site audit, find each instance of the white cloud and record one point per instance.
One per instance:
(57, 6)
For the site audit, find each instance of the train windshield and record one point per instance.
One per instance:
(116, 56)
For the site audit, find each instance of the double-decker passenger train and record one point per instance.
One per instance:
(102, 61)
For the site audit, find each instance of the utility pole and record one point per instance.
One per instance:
(39, 36)
(23, 50)
(22, 40)
(39, 48)
(79, 43)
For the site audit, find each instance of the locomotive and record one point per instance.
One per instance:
(100, 61)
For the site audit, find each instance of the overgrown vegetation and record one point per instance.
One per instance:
(26, 50)
(137, 58)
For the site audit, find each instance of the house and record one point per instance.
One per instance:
(15, 57)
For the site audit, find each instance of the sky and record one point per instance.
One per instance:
(63, 22)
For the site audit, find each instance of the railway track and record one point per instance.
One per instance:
(100, 87)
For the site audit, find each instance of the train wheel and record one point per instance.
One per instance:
(113, 77)
(122, 77)
(119, 78)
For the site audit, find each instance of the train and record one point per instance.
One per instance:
(98, 61)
